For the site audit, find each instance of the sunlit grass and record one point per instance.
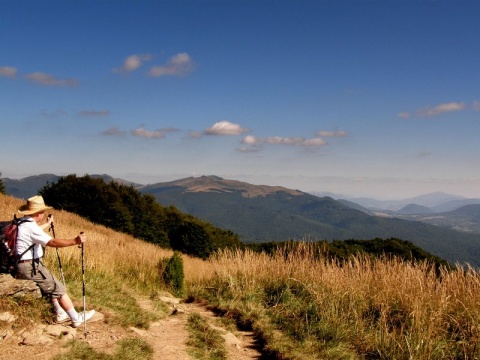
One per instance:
(204, 341)
(380, 308)
(127, 349)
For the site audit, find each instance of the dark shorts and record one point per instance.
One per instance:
(48, 284)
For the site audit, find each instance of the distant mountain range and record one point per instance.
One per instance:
(435, 202)
(269, 213)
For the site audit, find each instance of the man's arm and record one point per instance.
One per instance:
(58, 243)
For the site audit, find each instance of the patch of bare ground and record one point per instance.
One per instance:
(168, 337)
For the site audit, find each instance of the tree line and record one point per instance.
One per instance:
(2, 186)
(125, 209)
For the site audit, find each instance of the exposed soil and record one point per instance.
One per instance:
(167, 337)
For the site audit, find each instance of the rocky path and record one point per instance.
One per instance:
(167, 337)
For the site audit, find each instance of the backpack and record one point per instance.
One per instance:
(8, 246)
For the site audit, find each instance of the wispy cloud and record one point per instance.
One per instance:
(113, 131)
(149, 134)
(476, 105)
(277, 140)
(133, 62)
(337, 133)
(56, 113)
(44, 79)
(441, 109)
(195, 134)
(94, 113)
(404, 115)
(8, 71)
(225, 128)
(249, 149)
(179, 64)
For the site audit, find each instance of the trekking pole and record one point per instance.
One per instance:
(83, 291)
(58, 254)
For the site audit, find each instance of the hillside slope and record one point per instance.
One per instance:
(279, 214)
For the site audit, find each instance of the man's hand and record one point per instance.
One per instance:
(80, 239)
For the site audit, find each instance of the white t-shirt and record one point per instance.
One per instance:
(30, 233)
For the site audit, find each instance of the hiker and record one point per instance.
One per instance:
(30, 266)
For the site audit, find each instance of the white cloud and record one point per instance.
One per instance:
(49, 80)
(288, 141)
(251, 140)
(277, 140)
(338, 133)
(441, 109)
(179, 64)
(155, 134)
(8, 71)
(113, 131)
(314, 142)
(133, 62)
(225, 128)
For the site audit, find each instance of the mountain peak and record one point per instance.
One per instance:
(217, 184)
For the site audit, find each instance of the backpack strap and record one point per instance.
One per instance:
(18, 257)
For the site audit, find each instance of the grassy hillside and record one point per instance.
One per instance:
(299, 305)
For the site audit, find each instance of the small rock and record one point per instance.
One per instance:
(6, 334)
(69, 336)
(178, 310)
(56, 330)
(32, 340)
(231, 340)
(7, 317)
(17, 288)
(170, 300)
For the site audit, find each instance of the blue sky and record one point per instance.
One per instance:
(362, 98)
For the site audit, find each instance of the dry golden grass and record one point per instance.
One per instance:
(387, 307)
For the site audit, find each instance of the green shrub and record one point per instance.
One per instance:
(172, 273)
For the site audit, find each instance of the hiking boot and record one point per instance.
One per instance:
(81, 320)
(61, 317)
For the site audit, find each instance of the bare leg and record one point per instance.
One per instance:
(65, 302)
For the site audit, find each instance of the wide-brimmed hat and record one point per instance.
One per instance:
(34, 205)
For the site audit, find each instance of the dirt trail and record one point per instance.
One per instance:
(167, 337)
